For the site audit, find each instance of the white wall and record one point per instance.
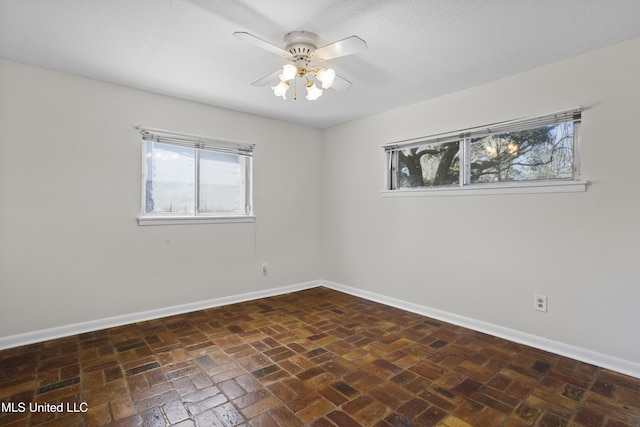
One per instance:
(70, 247)
(71, 251)
(484, 257)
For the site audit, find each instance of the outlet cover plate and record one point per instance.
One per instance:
(540, 303)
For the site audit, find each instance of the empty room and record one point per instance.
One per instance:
(328, 213)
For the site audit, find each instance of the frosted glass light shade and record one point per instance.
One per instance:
(281, 89)
(326, 77)
(313, 92)
(288, 72)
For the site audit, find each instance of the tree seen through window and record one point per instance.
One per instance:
(541, 153)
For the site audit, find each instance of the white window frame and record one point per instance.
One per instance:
(464, 136)
(199, 143)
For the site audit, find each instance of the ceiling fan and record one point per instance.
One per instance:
(304, 56)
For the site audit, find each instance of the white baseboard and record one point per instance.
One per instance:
(588, 356)
(623, 366)
(95, 325)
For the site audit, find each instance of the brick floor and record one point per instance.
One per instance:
(316, 357)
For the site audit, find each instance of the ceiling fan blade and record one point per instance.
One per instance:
(268, 79)
(348, 46)
(256, 41)
(340, 84)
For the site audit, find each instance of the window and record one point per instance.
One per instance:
(531, 153)
(194, 179)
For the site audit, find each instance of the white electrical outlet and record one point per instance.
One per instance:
(265, 268)
(540, 303)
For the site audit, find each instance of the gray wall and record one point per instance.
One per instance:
(70, 189)
(71, 250)
(484, 257)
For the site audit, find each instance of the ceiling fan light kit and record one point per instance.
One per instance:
(300, 49)
(289, 72)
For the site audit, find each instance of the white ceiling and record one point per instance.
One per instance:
(418, 49)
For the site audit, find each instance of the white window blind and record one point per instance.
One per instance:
(199, 142)
(492, 129)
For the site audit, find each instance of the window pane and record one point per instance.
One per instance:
(429, 165)
(221, 183)
(169, 179)
(535, 154)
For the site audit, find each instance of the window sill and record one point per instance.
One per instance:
(489, 189)
(168, 220)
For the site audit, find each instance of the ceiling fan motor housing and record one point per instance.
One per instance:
(300, 44)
